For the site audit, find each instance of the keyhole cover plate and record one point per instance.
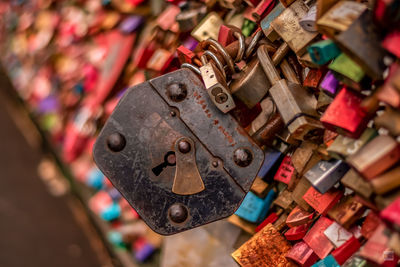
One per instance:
(150, 121)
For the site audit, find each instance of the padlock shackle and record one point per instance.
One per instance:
(210, 54)
(228, 59)
(268, 65)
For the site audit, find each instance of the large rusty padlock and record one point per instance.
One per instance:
(178, 160)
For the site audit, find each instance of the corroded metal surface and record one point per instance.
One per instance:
(151, 121)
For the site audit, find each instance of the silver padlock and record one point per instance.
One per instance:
(252, 84)
(295, 104)
(217, 88)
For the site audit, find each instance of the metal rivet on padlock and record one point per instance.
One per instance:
(178, 213)
(184, 146)
(116, 142)
(176, 92)
(242, 157)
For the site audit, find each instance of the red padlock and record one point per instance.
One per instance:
(185, 55)
(226, 35)
(345, 251)
(345, 114)
(313, 78)
(302, 254)
(322, 203)
(166, 20)
(270, 219)
(391, 43)
(316, 239)
(286, 172)
(371, 222)
(297, 232)
(298, 216)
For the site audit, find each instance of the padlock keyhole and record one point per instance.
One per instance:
(169, 160)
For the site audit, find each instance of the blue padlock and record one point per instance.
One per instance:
(328, 261)
(253, 208)
(272, 160)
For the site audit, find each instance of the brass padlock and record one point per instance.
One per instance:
(217, 88)
(339, 17)
(265, 24)
(208, 27)
(287, 26)
(358, 184)
(252, 84)
(294, 103)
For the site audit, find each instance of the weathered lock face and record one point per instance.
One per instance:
(177, 159)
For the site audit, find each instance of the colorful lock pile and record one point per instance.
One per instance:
(70, 62)
(316, 84)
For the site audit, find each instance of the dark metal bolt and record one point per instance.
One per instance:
(242, 157)
(178, 213)
(215, 164)
(176, 92)
(172, 113)
(116, 142)
(184, 146)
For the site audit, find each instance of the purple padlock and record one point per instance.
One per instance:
(145, 251)
(130, 24)
(190, 43)
(330, 84)
(48, 104)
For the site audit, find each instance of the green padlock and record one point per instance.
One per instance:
(248, 27)
(324, 51)
(347, 67)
